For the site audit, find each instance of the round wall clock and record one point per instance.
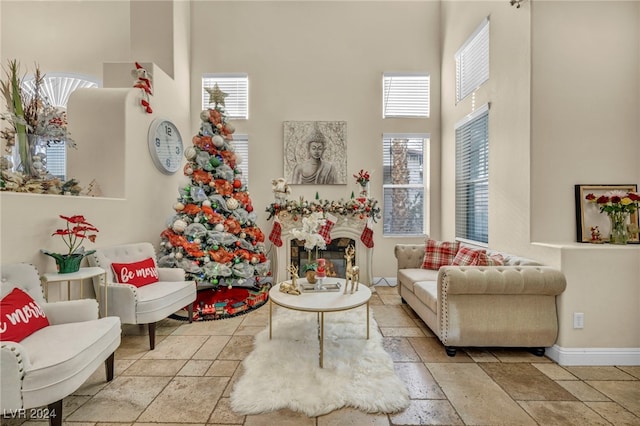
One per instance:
(165, 145)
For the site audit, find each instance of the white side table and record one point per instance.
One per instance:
(80, 276)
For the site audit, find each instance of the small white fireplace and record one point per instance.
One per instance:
(344, 228)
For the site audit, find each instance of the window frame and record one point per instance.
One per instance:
(473, 65)
(408, 106)
(462, 212)
(423, 186)
(240, 111)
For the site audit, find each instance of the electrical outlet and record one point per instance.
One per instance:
(578, 320)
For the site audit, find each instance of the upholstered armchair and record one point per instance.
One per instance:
(166, 293)
(54, 361)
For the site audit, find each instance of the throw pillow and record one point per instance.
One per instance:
(439, 253)
(468, 256)
(21, 316)
(490, 260)
(137, 273)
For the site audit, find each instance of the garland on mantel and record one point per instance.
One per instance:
(361, 208)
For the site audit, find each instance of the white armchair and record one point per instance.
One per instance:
(147, 304)
(56, 360)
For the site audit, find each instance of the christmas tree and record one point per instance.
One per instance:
(213, 235)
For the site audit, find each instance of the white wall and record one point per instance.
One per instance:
(585, 106)
(320, 61)
(146, 200)
(508, 93)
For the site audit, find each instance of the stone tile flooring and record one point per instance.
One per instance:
(188, 378)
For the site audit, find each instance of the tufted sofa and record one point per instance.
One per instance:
(483, 306)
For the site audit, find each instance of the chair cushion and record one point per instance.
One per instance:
(20, 316)
(427, 293)
(439, 253)
(136, 273)
(163, 298)
(63, 356)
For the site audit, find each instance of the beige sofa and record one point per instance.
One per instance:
(483, 306)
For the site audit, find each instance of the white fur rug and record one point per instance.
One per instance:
(284, 372)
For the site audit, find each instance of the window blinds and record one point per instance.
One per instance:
(472, 62)
(472, 176)
(405, 95)
(403, 184)
(236, 86)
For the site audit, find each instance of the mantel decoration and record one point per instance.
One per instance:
(34, 124)
(618, 205)
(76, 231)
(619, 223)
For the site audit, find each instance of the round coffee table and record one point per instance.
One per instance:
(320, 302)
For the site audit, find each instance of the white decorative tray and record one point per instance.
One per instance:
(311, 288)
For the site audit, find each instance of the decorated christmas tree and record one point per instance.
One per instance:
(213, 235)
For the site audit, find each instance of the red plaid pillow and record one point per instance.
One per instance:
(136, 273)
(468, 256)
(490, 260)
(21, 316)
(439, 253)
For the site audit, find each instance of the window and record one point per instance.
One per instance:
(241, 143)
(236, 86)
(472, 62)
(403, 184)
(405, 95)
(56, 87)
(472, 176)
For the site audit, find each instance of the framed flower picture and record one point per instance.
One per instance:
(594, 225)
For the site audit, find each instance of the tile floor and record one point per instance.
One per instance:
(187, 380)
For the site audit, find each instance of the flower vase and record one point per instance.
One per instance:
(364, 189)
(619, 231)
(27, 154)
(68, 263)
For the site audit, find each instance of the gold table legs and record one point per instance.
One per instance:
(320, 320)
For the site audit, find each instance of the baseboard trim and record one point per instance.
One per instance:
(594, 356)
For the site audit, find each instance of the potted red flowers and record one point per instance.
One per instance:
(76, 231)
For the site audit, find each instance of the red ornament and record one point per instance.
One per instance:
(249, 208)
(237, 243)
(236, 183)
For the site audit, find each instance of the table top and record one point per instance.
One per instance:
(326, 301)
(82, 274)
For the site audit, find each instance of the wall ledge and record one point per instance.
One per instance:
(594, 356)
(586, 246)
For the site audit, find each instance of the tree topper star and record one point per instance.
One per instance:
(216, 95)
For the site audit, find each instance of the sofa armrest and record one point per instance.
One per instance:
(14, 362)
(71, 311)
(531, 280)
(409, 255)
(171, 274)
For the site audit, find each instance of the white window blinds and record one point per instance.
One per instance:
(236, 86)
(405, 95)
(472, 62)
(472, 176)
(404, 184)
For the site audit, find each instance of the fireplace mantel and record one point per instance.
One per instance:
(345, 227)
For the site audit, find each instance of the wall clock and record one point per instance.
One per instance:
(165, 145)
